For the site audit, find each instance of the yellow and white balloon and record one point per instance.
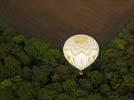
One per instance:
(81, 51)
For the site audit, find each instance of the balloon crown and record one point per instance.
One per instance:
(81, 39)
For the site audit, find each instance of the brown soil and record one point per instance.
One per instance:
(56, 20)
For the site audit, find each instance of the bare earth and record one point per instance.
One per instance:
(56, 20)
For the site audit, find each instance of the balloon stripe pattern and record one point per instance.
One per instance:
(81, 51)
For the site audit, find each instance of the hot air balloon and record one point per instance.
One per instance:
(81, 51)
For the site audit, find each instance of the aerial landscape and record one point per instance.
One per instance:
(34, 62)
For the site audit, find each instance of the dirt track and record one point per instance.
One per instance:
(56, 20)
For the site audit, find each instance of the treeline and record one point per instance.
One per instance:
(30, 69)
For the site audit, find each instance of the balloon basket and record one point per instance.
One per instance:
(81, 72)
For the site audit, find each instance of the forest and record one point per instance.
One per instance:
(31, 69)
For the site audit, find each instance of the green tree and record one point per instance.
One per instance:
(94, 97)
(70, 85)
(40, 73)
(119, 44)
(12, 66)
(44, 94)
(5, 83)
(7, 94)
(19, 39)
(27, 73)
(55, 87)
(54, 57)
(36, 49)
(23, 58)
(25, 91)
(105, 89)
(96, 78)
(86, 84)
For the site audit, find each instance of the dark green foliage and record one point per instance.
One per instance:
(94, 97)
(70, 85)
(30, 69)
(36, 49)
(54, 57)
(96, 78)
(105, 89)
(27, 73)
(45, 94)
(41, 73)
(19, 39)
(12, 66)
(7, 94)
(25, 91)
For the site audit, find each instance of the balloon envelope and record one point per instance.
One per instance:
(81, 51)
